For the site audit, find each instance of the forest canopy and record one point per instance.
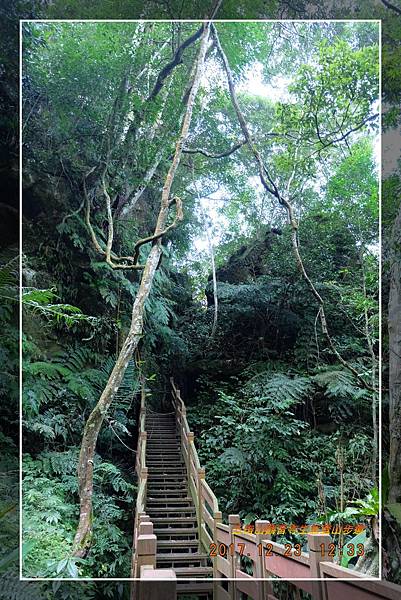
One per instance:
(263, 300)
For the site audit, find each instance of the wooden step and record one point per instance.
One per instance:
(163, 446)
(155, 483)
(179, 537)
(167, 476)
(168, 467)
(163, 473)
(163, 441)
(168, 481)
(174, 521)
(169, 490)
(155, 477)
(164, 452)
(163, 436)
(174, 506)
(177, 531)
(170, 501)
(190, 557)
(161, 510)
(165, 463)
(165, 460)
(180, 557)
(171, 439)
(170, 427)
(180, 511)
(162, 432)
(173, 486)
(174, 544)
(174, 494)
(157, 417)
(160, 451)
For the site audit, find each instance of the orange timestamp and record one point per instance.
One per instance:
(267, 550)
(262, 549)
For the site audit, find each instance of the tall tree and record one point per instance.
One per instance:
(394, 329)
(91, 431)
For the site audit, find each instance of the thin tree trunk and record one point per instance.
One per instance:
(129, 204)
(93, 425)
(211, 252)
(131, 197)
(375, 396)
(394, 330)
(214, 278)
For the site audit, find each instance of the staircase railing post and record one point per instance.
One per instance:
(146, 550)
(318, 552)
(190, 439)
(150, 588)
(234, 522)
(266, 586)
(217, 518)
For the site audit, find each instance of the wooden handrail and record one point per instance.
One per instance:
(142, 475)
(200, 491)
(309, 571)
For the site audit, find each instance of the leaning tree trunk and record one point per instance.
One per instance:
(93, 425)
(394, 330)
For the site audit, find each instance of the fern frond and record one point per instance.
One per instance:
(280, 390)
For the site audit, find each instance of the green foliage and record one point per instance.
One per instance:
(370, 507)
(262, 457)
(50, 514)
(41, 303)
(274, 405)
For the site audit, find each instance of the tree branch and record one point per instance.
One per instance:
(343, 136)
(151, 238)
(391, 6)
(176, 60)
(218, 155)
(108, 252)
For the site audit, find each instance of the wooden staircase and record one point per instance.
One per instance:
(169, 503)
(177, 519)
